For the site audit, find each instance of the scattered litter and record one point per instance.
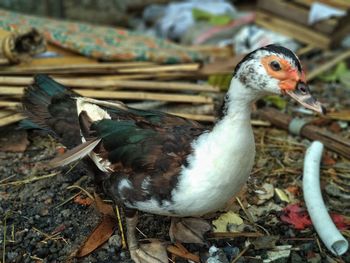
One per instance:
(321, 11)
(252, 37)
(278, 253)
(217, 255)
(282, 196)
(266, 192)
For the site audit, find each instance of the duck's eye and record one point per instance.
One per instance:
(275, 65)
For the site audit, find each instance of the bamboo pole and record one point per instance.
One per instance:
(137, 84)
(11, 119)
(9, 104)
(331, 141)
(328, 65)
(5, 113)
(104, 82)
(87, 66)
(195, 117)
(122, 95)
(125, 95)
(101, 68)
(177, 67)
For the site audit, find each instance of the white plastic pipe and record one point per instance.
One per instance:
(320, 218)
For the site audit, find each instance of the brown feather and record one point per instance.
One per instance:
(74, 154)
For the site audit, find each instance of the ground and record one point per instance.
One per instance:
(45, 222)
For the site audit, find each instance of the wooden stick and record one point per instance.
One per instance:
(299, 32)
(11, 119)
(105, 82)
(4, 61)
(16, 81)
(331, 141)
(123, 95)
(5, 113)
(9, 104)
(195, 117)
(137, 84)
(87, 66)
(328, 65)
(120, 67)
(178, 67)
(216, 235)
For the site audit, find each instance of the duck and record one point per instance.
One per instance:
(159, 163)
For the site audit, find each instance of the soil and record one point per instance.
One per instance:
(44, 224)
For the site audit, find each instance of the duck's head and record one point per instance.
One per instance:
(275, 70)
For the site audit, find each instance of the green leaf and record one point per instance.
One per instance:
(336, 74)
(217, 20)
(220, 80)
(276, 101)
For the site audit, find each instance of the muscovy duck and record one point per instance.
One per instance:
(163, 164)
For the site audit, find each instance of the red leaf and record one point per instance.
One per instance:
(328, 160)
(297, 216)
(340, 221)
(83, 201)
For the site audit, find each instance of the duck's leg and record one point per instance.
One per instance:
(188, 230)
(153, 252)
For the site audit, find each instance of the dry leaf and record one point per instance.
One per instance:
(99, 236)
(265, 242)
(102, 207)
(293, 189)
(83, 201)
(343, 115)
(328, 160)
(14, 141)
(335, 127)
(282, 195)
(266, 192)
(297, 216)
(188, 230)
(222, 222)
(61, 150)
(180, 251)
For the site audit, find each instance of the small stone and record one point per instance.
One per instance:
(42, 252)
(31, 220)
(11, 255)
(217, 255)
(44, 212)
(66, 213)
(115, 241)
(231, 252)
(296, 258)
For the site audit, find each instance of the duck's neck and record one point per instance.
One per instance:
(221, 160)
(238, 102)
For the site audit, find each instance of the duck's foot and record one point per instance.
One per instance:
(153, 252)
(188, 230)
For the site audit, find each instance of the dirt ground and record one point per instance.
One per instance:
(42, 221)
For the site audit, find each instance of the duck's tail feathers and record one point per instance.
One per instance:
(50, 106)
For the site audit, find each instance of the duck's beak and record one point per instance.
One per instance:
(302, 95)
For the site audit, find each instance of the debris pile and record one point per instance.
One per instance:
(55, 216)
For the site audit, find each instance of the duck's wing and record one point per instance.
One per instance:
(141, 152)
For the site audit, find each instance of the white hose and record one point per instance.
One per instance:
(320, 218)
